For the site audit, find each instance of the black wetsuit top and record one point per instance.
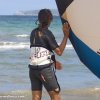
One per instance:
(47, 40)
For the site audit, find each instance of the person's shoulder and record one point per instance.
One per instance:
(34, 30)
(49, 32)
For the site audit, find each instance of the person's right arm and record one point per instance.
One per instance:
(59, 50)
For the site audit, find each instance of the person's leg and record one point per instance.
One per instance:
(36, 84)
(50, 82)
(36, 95)
(54, 95)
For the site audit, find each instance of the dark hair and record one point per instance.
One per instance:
(44, 16)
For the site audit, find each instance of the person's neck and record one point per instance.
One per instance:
(43, 28)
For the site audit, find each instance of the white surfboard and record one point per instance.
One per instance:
(84, 19)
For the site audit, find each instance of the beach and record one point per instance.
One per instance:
(77, 82)
(90, 94)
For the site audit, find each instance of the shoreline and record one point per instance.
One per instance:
(74, 94)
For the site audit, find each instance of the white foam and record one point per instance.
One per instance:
(96, 89)
(13, 45)
(69, 47)
(5, 45)
(22, 35)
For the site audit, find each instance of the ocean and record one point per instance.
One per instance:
(14, 57)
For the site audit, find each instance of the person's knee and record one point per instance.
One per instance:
(55, 94)
(57, 90)
(36, 97)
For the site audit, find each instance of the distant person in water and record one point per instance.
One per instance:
(42, 59)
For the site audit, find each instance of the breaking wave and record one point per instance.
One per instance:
(5, 45)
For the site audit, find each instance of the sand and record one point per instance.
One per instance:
(77, 94)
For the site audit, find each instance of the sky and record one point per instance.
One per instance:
(9, 7)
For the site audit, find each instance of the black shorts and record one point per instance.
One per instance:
(45, 76)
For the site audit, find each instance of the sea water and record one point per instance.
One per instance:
(14, 57)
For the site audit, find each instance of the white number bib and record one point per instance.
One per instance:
(39, 56)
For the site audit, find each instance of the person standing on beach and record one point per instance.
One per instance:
(42, 59)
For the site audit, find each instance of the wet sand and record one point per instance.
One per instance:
(86, 94)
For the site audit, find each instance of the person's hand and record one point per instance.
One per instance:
(58, 65)
(66, 29)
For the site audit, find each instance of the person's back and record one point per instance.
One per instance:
(42, 44)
